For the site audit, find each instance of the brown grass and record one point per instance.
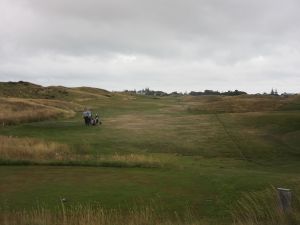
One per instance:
(15, 110)
(65, 105)
(12, 148)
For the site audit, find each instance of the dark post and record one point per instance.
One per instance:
(285, 198)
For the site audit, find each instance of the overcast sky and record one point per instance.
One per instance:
(181, 45)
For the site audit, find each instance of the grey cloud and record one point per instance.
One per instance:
(178, 43)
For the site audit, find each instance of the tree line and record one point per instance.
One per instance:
(147, 91)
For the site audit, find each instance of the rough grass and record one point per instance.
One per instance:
(254, 208)
(263, 208)
(28, 90)
(31, 151)
(96, 215)
(15, 110)
(12, 148)
(32, 91)
(240, 104)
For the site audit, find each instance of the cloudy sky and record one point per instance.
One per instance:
(182, 45)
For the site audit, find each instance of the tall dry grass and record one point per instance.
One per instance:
(13, 148)
(96, 215)
(15, 111)
(263, 208)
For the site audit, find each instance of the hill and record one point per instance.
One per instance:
(23, 89)
(27, 102)
(28, 90)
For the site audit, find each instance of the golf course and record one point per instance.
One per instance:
(178, 159)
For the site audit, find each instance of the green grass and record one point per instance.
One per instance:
(215, 153)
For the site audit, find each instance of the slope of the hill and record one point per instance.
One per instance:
(28, 90)
(23, 89)
(27, 102)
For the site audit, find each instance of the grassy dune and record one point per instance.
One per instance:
(28, 90)
(205, 152)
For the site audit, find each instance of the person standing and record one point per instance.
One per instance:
(85, 115)
(90, 116)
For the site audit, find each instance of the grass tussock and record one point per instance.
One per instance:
(15, 111)
(263, 208)
(96, 215)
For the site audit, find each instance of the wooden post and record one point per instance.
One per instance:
(285, 199)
